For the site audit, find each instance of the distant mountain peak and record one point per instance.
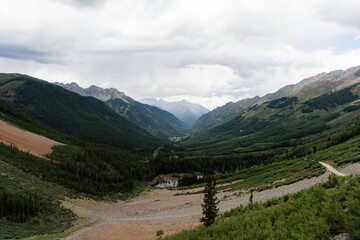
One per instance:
(186, 111)
(155, 120)
(74, 84)
(103, 94)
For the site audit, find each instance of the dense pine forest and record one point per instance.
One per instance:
(18, 208)
(84, 118)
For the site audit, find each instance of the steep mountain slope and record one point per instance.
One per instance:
(155, 120)
(281, 123)
(222, 114)
(187, 112)
(82, 117)
(309, 87)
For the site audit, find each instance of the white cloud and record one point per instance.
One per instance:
(208, 51)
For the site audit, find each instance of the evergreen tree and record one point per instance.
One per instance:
(251, 198)
(209, 208)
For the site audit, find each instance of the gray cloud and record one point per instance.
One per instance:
(177, 49)
(24, 53)
(82, 3)
(346, 14)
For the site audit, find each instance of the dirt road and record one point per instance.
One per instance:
(26, 141)
(333, 170)
(162, 209)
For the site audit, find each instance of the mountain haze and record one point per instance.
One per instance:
(155, 120)
(186, 111)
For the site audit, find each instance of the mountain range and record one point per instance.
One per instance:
(157, 121)
(85, 118)
(186, 111)
(113, 148)
(308, 87)
(289, 117)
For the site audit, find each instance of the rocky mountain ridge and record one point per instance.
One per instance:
(157, 121)
(334, 80)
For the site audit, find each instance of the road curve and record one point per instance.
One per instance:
(332, 169)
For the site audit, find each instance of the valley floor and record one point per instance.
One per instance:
(166, 210)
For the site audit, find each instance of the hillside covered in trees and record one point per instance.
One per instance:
(281, 139)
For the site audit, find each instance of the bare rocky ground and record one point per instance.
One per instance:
(26, 141)
(162, 209)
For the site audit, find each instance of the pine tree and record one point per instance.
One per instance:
(209, 207)
(251, 198)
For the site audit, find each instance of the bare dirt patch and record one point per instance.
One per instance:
(26, 141)
(166, 210)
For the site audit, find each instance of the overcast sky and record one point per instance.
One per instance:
(206, 51)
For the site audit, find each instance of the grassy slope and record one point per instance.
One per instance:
(82, 117)
(53, 218)
(275, 125)
(294, 170)
(287, 168)
(317, 213)
(27, 175)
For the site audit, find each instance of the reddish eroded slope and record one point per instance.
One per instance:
(26, 141)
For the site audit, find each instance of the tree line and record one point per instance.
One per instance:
(18, 208)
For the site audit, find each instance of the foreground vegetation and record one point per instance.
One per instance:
(266, 176)
(18, 208)
(88, 170)
(317, 213)
(33, 205)
(301, 162)
(277, 143)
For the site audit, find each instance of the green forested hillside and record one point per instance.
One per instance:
(222, 114)
(85, 118)
(307, 88)
(275, 143)
(279, 124)
(30, 205)
(159, 122)
(10, 114)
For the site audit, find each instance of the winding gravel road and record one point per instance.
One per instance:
(162, 209)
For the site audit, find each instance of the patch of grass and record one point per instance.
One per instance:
(265, 177)
(62, 234)
(140, 188)
(54, 218)
(273, 175)
(341, 154)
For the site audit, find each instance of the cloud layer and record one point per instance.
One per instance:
(206, 51)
